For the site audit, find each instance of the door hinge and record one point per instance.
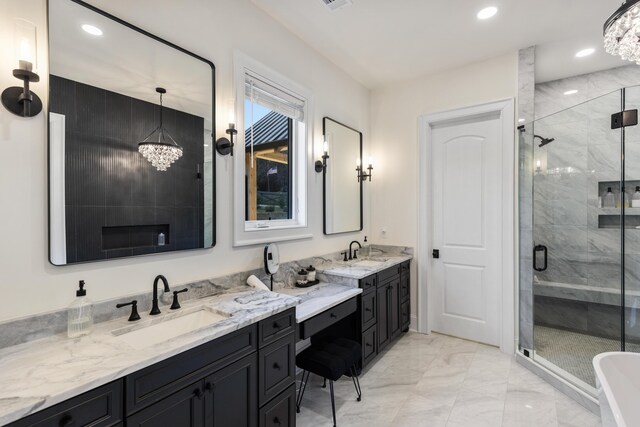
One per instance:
(624, 119)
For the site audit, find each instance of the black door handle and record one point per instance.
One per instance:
(536, 249)
(436, 253)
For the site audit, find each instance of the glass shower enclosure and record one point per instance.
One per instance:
(580, 220)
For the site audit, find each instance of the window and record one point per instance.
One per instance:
(270, 168)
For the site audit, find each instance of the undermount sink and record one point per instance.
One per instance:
(368, 263)
(152, 333)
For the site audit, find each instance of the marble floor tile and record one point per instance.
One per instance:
(441, 381)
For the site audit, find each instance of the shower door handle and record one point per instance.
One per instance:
(536, 249)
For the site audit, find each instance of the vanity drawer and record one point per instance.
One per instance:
(368, 283)
(388, 274)
(276, 368)
(158, 381)
(405, 287)
(368, 345)
(100, 407)
(276, 327)
(328, 317)
(281, 411)
(368, 310)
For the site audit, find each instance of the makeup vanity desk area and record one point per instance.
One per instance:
(371, 305)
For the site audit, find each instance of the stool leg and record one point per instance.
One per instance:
(303, 386)
(333, 403)
(324, 384)
(356, 382)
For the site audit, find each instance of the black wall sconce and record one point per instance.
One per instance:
(224, 145)
(361, 175)
(20, 100)
(321, 165)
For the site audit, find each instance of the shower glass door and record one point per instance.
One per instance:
(631, 248)
(577, 239)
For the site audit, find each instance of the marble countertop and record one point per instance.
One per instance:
(361, 268)
(42, 373)
(319, 298)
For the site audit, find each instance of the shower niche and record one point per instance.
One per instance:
(609, 216)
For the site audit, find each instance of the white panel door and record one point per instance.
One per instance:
(467, 229)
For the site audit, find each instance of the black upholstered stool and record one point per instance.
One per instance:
(330, 359)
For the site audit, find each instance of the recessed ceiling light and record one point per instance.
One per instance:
(487, 12)
(571, 92)
(585, 52)
(94, 31)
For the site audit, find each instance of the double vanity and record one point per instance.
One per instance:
(223, 360)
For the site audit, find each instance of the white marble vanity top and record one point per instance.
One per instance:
(361, 268)
(42, 373)
(320, 297)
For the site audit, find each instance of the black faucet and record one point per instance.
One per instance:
(155, 309)
(351, 254)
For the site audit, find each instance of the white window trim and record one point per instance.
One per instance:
(247, 233)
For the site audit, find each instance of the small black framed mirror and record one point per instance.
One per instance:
(342, 179)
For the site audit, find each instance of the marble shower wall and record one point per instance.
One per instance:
(585, 151)
(526, 111)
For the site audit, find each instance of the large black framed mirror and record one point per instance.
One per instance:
(342, 184)
(131, 126)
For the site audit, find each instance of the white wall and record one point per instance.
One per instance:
(394, 134)
(212, 29)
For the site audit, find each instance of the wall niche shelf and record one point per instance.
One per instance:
(610, 217)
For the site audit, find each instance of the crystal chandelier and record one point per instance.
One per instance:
(622, 31)
(159, 147)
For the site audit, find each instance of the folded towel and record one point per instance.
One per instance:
(254, 282)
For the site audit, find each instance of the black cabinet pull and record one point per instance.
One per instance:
(276, 366)
(209, 387)
(276, 421)
(368, 344)
(536, 249)
(333, 315)
(276, 325)
(367, 309)
(67, 421)
(197, 393)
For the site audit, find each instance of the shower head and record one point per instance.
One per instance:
(543, 141)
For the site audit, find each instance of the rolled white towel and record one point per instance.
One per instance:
(254, 282)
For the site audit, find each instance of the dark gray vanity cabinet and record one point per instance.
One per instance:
(384, 307)
(243, 379)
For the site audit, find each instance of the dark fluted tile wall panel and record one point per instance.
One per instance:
(109, 184)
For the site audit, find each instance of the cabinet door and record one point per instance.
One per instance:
(231, 395)
(394, 308)
(382, 316)
(181, 409)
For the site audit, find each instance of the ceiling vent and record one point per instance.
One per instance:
(337, 4)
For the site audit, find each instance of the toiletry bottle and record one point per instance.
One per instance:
(161, 239)
(311, 274)
(635, 200)
(80, 314)
(365, 251)
(626, 198)
(609, 199)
